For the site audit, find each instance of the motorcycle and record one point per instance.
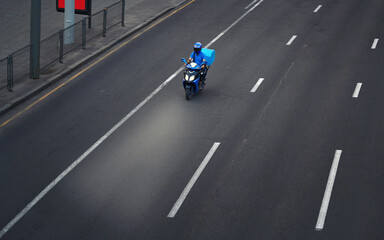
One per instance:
(194, 77)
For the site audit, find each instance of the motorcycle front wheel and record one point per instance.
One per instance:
(188, 93)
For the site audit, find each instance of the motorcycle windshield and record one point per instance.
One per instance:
(193, 66)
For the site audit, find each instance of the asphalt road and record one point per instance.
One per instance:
(268, 176)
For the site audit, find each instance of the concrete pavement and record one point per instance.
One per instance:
(16, 15)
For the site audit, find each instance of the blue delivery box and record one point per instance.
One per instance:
(209, 55)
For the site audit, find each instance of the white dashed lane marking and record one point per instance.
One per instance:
(357, 90)
(291, 40)
(328, 191)
(317, 9)
(257, 85)
(374, 44)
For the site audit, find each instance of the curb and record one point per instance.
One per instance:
(56, 78)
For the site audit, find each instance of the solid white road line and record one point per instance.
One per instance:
(317, 9)
(291, 40)
(357, 90)
(251, 4)
(328, 191)
(257, 85)
(103, 138)
(193, 180)
(374, 44)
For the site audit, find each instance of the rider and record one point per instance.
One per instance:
(199, 58)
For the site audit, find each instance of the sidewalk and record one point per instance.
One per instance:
(138, 14)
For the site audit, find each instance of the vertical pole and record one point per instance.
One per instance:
(61, 43)
(90, 15)
(90, 21)
(34, 61)
(83, 32)
(69, 20)
(105, 22)
(123, 13)
(10, 72)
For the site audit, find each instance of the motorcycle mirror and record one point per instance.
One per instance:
(184, 61)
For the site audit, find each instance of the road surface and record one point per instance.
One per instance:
(288, 133)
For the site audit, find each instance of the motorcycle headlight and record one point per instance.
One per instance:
(186, 77)
(192, 78)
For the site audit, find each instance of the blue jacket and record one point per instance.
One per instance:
(198, 58)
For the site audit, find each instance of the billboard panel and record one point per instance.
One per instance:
(81, 6)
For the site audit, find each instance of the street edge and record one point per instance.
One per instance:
(70, 69)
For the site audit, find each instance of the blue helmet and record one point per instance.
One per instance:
(197, 47)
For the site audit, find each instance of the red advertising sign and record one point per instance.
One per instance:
(81, 6)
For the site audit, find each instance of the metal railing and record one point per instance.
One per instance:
(19, 65)
(95, 25)
(49, 48)
(53, 49)
(4, 70)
